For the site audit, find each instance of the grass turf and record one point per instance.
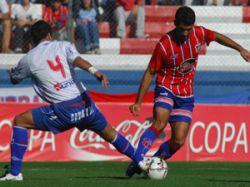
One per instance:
(111, 174)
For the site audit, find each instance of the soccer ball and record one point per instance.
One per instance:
(158, 169)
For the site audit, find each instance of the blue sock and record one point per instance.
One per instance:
(146, 141)
(19, 144)
(164, 151)
(123, 146)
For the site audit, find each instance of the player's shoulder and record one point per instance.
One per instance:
(164, 37)
(164, 40)
(199, 28)
(61, 43)
(65, 45)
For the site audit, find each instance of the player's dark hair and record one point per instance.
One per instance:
(39, 31)
(184, 15)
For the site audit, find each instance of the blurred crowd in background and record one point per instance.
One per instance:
(78, 20)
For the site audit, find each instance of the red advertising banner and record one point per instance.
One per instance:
(218, 133)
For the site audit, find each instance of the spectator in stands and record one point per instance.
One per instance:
(57, 16)
(199, 2)
(20, 1)
(6, 26)
(239, 2)
(127, 11)
(23, 17)
(86, 27)
(170, 2)
(226, 2)
(99, 10)
(97, 4)
(65, 2)
(45, 2)
(108, 10)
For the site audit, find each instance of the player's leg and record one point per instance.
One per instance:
(19, 143)
(180, 120)
(160, 120)
(140, 22)
(42, 118)
(177, 140)
(163, 105)
(120, 18)
(161, 116)
(119, 142)
(98, 123)
(6, 36)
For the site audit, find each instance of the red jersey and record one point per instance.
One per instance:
(175, 63)
(58, 19)
(128, 5)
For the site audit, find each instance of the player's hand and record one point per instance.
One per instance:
(135, 109)
(102, 78)
(11, 73)
(245, 54)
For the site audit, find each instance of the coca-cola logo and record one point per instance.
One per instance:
(131, 129)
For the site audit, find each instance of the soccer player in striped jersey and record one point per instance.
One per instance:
(50, 66)
(174, 62)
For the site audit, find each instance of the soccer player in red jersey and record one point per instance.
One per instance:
(174, 62)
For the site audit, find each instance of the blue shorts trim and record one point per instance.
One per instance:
(179, 118)
(163, 105)
(181, 108)
(80, 112)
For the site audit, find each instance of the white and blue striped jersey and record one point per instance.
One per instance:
(50, 66)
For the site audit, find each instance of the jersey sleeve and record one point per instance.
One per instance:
(35, 14)
(157, 58)
(21, 71)
(14, 11)
(4, 8)
(71, 53)
(209, 35)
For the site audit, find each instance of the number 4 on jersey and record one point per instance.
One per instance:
(57, 66)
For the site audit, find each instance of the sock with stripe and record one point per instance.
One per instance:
(123, 146)
(19, 144)
(145, 143)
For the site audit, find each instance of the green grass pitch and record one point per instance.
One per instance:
(111, 174)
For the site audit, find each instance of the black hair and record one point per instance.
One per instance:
(184, 15)
(91, 5)
(39, 31)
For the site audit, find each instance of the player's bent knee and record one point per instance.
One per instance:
(18, 120)
(108, 133)
(178, 143)
(159, 124)
(23, 120)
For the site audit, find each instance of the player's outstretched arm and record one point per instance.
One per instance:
(11, 73)
(20, 72)
(135, 109)
(85, 65)
(226, 41)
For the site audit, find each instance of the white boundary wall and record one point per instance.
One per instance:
(139, 62)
